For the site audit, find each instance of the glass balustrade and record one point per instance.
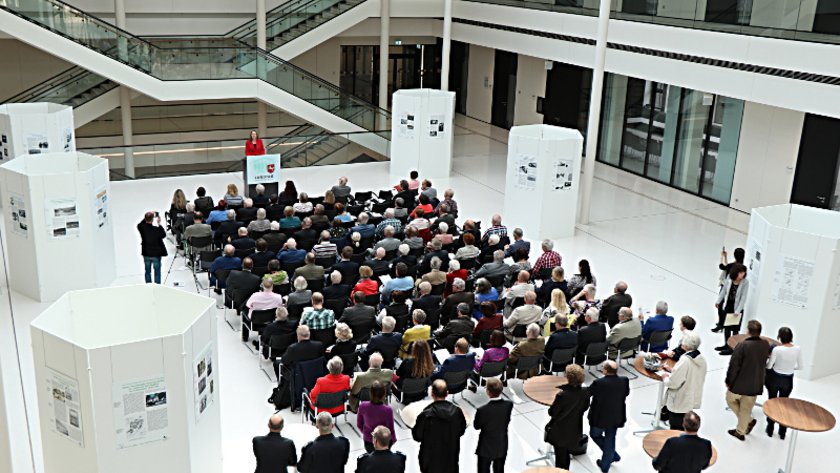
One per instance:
(307, 146)
(198, 59)
(805, 20)
(74, 86)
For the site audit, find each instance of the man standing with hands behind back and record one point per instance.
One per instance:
(151, 244)
(439, 429)
(492, 419)
(607, 412)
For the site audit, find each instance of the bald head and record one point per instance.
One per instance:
(497, 219)
(275, 423)
(620, 287)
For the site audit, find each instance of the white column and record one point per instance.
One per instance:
(128, 133)
(447, 45)
(384, 41)
(119, 21)
(594, 111)
(262, 109)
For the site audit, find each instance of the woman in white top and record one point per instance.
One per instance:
(784, 359)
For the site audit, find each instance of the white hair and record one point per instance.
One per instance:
(443, 227)
(458, 283)
(388, 323)
(324, 422)
(335, 277)
(335, 365)
(404, 249)
(300, 283)
(291, 243)
(363, 218)
(274, 226)
(661, 307)
(547, 244)
(261, 214)
(494, 239)
(590, 289)
(375, 360)
(532, 331)
(690, 340)
(454, 265)
(260, 189)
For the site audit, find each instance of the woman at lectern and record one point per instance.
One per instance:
(254, 145)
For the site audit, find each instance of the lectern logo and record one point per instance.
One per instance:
(270, 168)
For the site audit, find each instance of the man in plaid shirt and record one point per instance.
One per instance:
(496, 229)
(389, 220)
(317, 317)
(549, 259)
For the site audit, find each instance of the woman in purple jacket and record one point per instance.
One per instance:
(374, 413)
(496, 351)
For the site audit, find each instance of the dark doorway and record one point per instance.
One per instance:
(407, 64)
(723, 11)
(827, 17)
(459, 59)
(566, 100)
(817, 164)
(504, 89)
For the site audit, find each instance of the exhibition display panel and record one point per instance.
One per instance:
(56, 210)
(422, 134)
(35, 128)
(542, 181)
(128, 381)
(793, 269)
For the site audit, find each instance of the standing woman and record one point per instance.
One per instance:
(724, 267)
(730, 304)
(582, 278)
(565, 427)
(374, 413)
(784, 359)
(254, 145)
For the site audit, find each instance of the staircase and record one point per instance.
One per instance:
(171, 70)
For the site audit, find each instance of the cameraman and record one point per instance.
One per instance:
(151, 244)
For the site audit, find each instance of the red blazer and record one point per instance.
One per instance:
(254, 149)
(488, 323)
(368, 286)
(330, 384)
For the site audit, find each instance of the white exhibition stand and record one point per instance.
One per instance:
(793, 261)
(542, 180)
(422, 133)
(35, 128)
(58, 229)
(128, 382)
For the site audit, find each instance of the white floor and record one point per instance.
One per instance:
(663, 242)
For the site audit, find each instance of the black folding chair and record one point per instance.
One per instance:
(595, 354)
(631, 345)
(560, 357)
(412, 387)
(456, 382)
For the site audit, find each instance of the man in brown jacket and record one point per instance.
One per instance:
(365, 379)
(533, 345)
(745, 378)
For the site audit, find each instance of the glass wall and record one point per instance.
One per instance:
(685, 138)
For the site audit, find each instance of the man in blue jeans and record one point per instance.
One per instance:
(151, 244)
(607, 413)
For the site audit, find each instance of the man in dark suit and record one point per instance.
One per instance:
(429, 304)
(243, 241)
(607, 413)
(307, 237)
(458, 296)
(381, 459)
(304, 350)
(240, 284)
(592, 332)
(460, 327)
(349, 269)
(611, 305)
(360, 317)
(274, 452)
(378, 264)
(262, 256)
(387, 343)
(560, 339)
(248, 213)
(327, 453)
(275, 238)
(492, 419)
(687, 453)
(406, 195)
(227, 229)
(336, 290)
(437, 252)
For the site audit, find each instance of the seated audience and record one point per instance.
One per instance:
(301, 294)
(557, 281)
(532, 345)
(289, 220)
(428, 303)
(303, 204)
(585, 300)
(281, 326)
(491, 319)
(518, 290)
(344, 343)
(341, 191)
(317, 317)
(262, 300)
(290, 253)
(556, 307)
(452, 302)
(438, 252)
(243, 241)
(304, 350)
(429, 191)
(275, 237)
(262, 255)
(548, 259)
(388, 220)
(225, 262)
(260, 198)
(198, 229)
(388, 242)
(592, 332)
(417, 366)
(378, 264)
(404, 256)
(484, 292)
(348, 268)
(424, 204)
(420, 222)
(495, 352)
(518, 242)
(434, 276)
(520, 263)
(218, 214)
(627, 327)
(336, 290)
(232, 197)
(366, 285)
(449, 202)
(455, 272)
(412, 238)
(203, 202)
(460, 327)
(469, 250)
(325, 248)
(418, 331)
(612, 304)
(497, 269)
(526, 314)
(461, 360)
(396, 308)
(562, 338)
(495, 229)
(387, 342)
(403, 282)
(375, 414)
(687, 324)
(289, 194)
(341, 213)
(248, 213)
(310, 271)
(307, 236)
(581, 279)
(333, 382)
(374, 374)
(661, 321)
(365, 229)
